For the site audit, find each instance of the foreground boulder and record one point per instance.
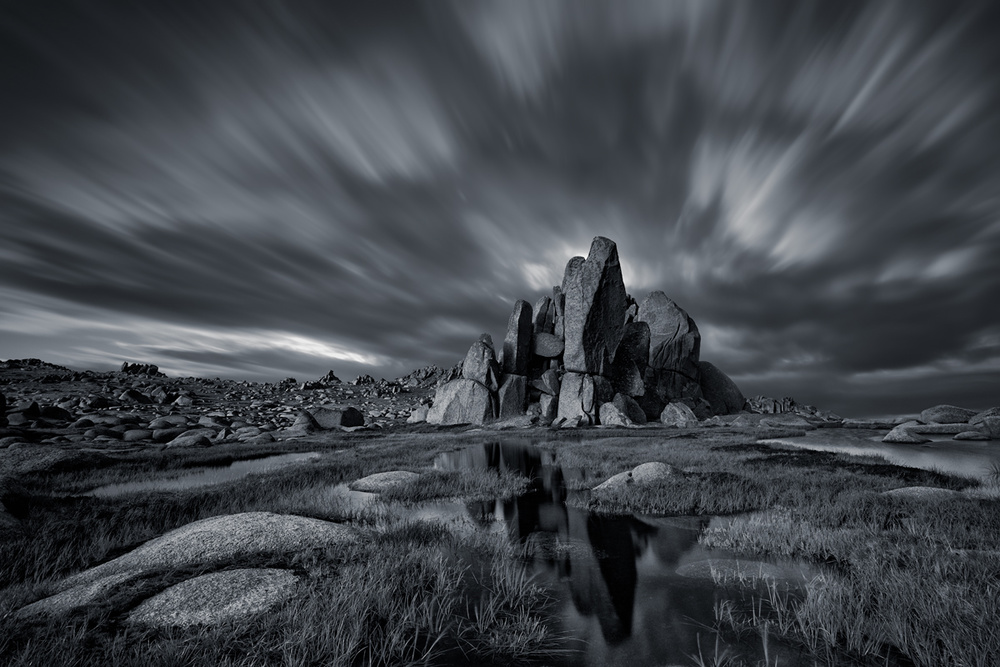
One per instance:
(221, 539)
(217, 598)
(642, 475)
(383, 481)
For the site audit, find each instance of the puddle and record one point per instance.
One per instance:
(618, 597)
(205, 476)
(966, 458)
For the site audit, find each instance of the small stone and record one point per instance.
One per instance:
(382, 481)
(976, 436)
(642, 475)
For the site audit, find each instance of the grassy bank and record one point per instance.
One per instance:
(911, 580)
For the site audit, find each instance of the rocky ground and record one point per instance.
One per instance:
(139, 406)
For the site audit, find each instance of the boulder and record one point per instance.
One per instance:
(678, 414)
(462, 401)
(334, 416)
(612, 415)
(629, 407)
(383, 481)
(719, 390)
(642, 475)
(577, 399)
(976, 436)
(197, 438)
(548, 406)
(992, 412)
(559, 311)
(547, 345)
(788, 421)
(765, 405)
(939, 429)
(544, 316)
(548, 383)
(517, 343)
(480, 364)
(990, 426)
(946, 414)
(417, 415)
(217, 598)
(631, 359)
(595, 309)
(902, 435)
(674, 348)
(513, 396)
(221, 539)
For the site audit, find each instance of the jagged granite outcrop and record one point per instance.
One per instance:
(588, 344)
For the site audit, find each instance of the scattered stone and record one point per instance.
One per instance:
(902, 435)
(678, 414)
(383, 481)
(217, 598)
(642, 475)
(765, 405)
(946, 414)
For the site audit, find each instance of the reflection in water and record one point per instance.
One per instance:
(204, 476)
(620, 600)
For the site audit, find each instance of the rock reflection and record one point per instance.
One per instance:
(597, 557)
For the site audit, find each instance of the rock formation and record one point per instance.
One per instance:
(588, 345)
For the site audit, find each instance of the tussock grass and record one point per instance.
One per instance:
(471, 485)
(413, 593)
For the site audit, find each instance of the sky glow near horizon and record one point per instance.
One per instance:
(271, 190)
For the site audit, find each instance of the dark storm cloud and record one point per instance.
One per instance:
(259, 189)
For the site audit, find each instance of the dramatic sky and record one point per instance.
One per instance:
(263, 189)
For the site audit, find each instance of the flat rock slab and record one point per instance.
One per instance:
(220, 597)
(219, 539)
(727, 569)
(642, 475)
(923, 492)
(383, 481)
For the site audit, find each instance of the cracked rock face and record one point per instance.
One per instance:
(674, 348)
(595, 309)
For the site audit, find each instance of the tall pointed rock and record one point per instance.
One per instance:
(594, 311)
